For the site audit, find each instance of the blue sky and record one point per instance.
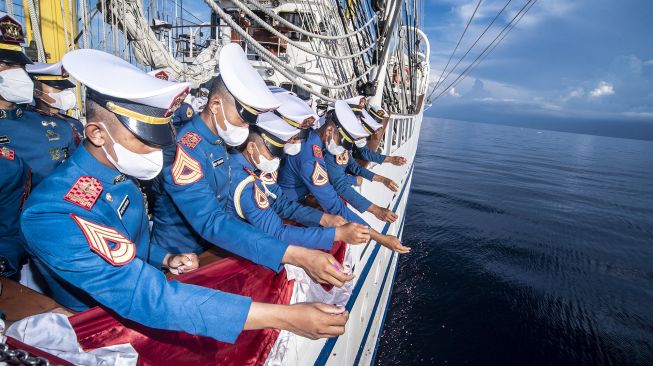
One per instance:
(567, 61)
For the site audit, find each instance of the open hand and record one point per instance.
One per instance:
(397, 160)
(353, 233)
(320, 266)
(393, 243)
(390, 184)
(316, 320)
(383, 214)
(329, 220)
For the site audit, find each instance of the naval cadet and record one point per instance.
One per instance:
(190, 209)
(54, 93)
(252, 201)
(372, 119)
(42, 142)
(15, 183)
(87, 230)
(345, 130)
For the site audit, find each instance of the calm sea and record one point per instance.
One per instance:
(529, 248)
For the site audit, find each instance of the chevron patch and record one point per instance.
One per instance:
(320, 176)
(260, 198)
(84, 192)
(185, 170)
(107, 242)
(190, 139)
(343, 158)
(269, 178)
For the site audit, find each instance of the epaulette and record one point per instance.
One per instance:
(190, 139)
(84, 192)
(7, 153)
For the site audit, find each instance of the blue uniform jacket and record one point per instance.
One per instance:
(194, 193)
(43, 142)
(15, 183)
(250, 202)
(306, 172)
(87, 231)
(364, 153)
(336, 166)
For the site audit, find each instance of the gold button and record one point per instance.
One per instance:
(109, 197)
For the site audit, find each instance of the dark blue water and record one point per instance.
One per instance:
(529, 248)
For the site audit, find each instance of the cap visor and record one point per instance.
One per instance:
(14, 57)
(58, 84)
(157, 135)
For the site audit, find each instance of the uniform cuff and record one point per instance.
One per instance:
(314, 218)
(274, 251)
(225, 315)
(157, 255)
(368, 174)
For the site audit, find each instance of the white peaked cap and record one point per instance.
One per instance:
(276, 126)
(115, 77)
(375, 107)
(162, 74)
(355, 100)
(370, 121)
(294, 108)
(319, 123)
(43, 68)
(348, 120)
(279, 90)
(243, 81)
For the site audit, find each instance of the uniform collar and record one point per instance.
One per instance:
(95, 168)
(13, 113)
(205, 132)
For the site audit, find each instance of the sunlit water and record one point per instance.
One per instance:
(529, 248)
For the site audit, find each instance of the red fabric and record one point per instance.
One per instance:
(97, 328)
(35, 352)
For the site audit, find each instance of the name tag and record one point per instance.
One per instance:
(218, 162)
(123, 206)
(4, 140)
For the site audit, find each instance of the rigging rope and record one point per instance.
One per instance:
(36, 30)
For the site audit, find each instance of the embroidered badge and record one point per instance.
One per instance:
(7, 153)
(190, 139)
(84, 192)
(320, 176)
(52, 136)
(107, 242)
(260, 198)
(4, 139)
(189, 112)
(317, 151)
(269, 178)
(52, 124)
(185, 170)
(343, 158)
(123, 206)
(217, 162)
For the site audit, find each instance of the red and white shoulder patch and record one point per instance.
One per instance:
(317, 151)
(190, 139)
(107, 242)
(319, 176)
(185, 170)
(269, 178)
(84, 192)
(7, 153)
(343, 158)
(260, 198)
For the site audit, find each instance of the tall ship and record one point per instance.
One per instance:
(321, 50)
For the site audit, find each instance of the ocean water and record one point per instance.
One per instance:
(529, 248)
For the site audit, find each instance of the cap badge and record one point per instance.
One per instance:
(11, 31)
(161, 75)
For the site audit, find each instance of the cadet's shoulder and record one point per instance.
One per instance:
(66, 190)
(12, 166)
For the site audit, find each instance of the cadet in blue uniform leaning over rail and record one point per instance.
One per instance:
(87, 230)
(190, 209)
(42, 142)
(372, 119)
(253, 202)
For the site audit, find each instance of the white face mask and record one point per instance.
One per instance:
(360, 143)
(292, 149)
(232, 136)
(16, 86)
(63, 100)
(333, 148)
(140, 166)
(267, 166)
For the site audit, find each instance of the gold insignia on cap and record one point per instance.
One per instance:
(113, 107)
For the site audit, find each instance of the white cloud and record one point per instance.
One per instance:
(603, 89)
(648, 63)
(452, 92)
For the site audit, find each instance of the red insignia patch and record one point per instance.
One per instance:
(317, 151)
(107, 242)
(161, 75)
(7, 153)
(84, 192)
(260, 198)
(190, 139)
(319, 176)
(269, 178)
(185, 170)
(343, 158)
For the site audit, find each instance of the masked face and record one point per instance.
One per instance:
(266, 165)
(233, 135)
(333, 148)
(63, 100)
(16, 86)
(292, 149)
(140, 166)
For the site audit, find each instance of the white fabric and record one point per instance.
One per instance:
(53, 333)
(348, 120)
(355, 100)
(276, 126)
(243, 81)
(44, 68)
(16, 86)
(116, 77)
(370, 121)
